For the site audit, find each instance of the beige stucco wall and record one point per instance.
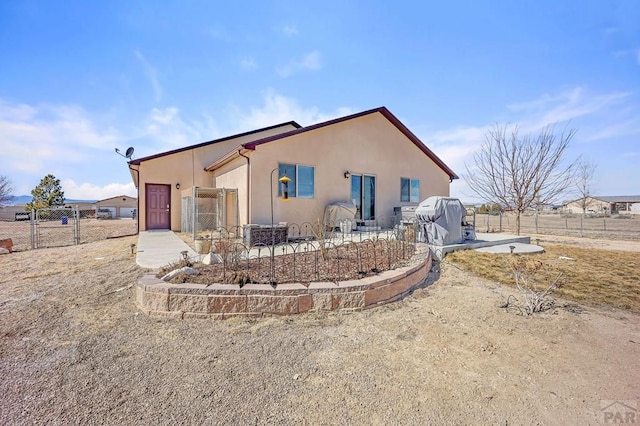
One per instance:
(187, 169)
(119, 202)
(600, 206)
(365, 145)
(234, 175)
(592, 204)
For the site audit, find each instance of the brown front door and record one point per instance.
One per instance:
(158, 206)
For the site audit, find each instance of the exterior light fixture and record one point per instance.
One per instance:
(347, 174)
(178, 185)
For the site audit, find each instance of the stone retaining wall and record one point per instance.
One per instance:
(158, 298)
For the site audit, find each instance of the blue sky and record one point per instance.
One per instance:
(80, 78)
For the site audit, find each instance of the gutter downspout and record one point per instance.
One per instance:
(138, 199)
(248, 185)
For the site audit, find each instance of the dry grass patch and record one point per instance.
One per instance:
(592, 275)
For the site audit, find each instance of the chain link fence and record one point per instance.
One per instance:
(61, 227)
(614, 227)
(205, 210)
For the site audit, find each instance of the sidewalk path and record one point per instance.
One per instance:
(159, 248)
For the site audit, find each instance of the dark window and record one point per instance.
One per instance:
(409, 190)
(302, 184)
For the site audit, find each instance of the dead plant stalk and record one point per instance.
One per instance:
(525, 277)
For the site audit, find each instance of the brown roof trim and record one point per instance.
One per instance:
(226, 138)
(382, 110)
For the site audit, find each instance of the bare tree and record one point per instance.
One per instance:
(6, 188)
(584, 184)
(520, 172)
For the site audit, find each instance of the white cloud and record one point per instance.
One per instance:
(567, 105)
(617, 129)
(88, 191)
(311, 61)
(166, 129)
(625, 53)
(456, 146)
(152, 74)
(35, 139)
(248, 64)
(33, 136)
(16, 112)
(290, 30)
(277, 108)
(602, 116)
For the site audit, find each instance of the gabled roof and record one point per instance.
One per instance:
(382, 110)
(117, 196)
(618, 198)
(226, 138)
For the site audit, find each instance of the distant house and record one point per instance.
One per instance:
(616, 204)
(370, 159)
(122, 206)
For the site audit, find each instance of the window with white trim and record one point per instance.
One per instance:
(409, 190)
(302, 177)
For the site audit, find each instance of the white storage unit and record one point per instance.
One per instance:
(127, 211)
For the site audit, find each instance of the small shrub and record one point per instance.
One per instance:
(536, 281)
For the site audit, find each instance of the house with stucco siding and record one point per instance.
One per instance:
(119, 206)
(610, 204)
(370, 159)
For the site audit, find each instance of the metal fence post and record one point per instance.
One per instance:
(32, 228)
(76, 225)
(194, 195)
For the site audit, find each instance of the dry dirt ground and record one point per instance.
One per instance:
(75, 350)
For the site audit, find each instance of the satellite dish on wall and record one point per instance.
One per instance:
(126, 155)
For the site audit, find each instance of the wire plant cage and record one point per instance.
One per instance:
(205, 210)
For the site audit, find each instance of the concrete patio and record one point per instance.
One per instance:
(160, 248)
(485, 240)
